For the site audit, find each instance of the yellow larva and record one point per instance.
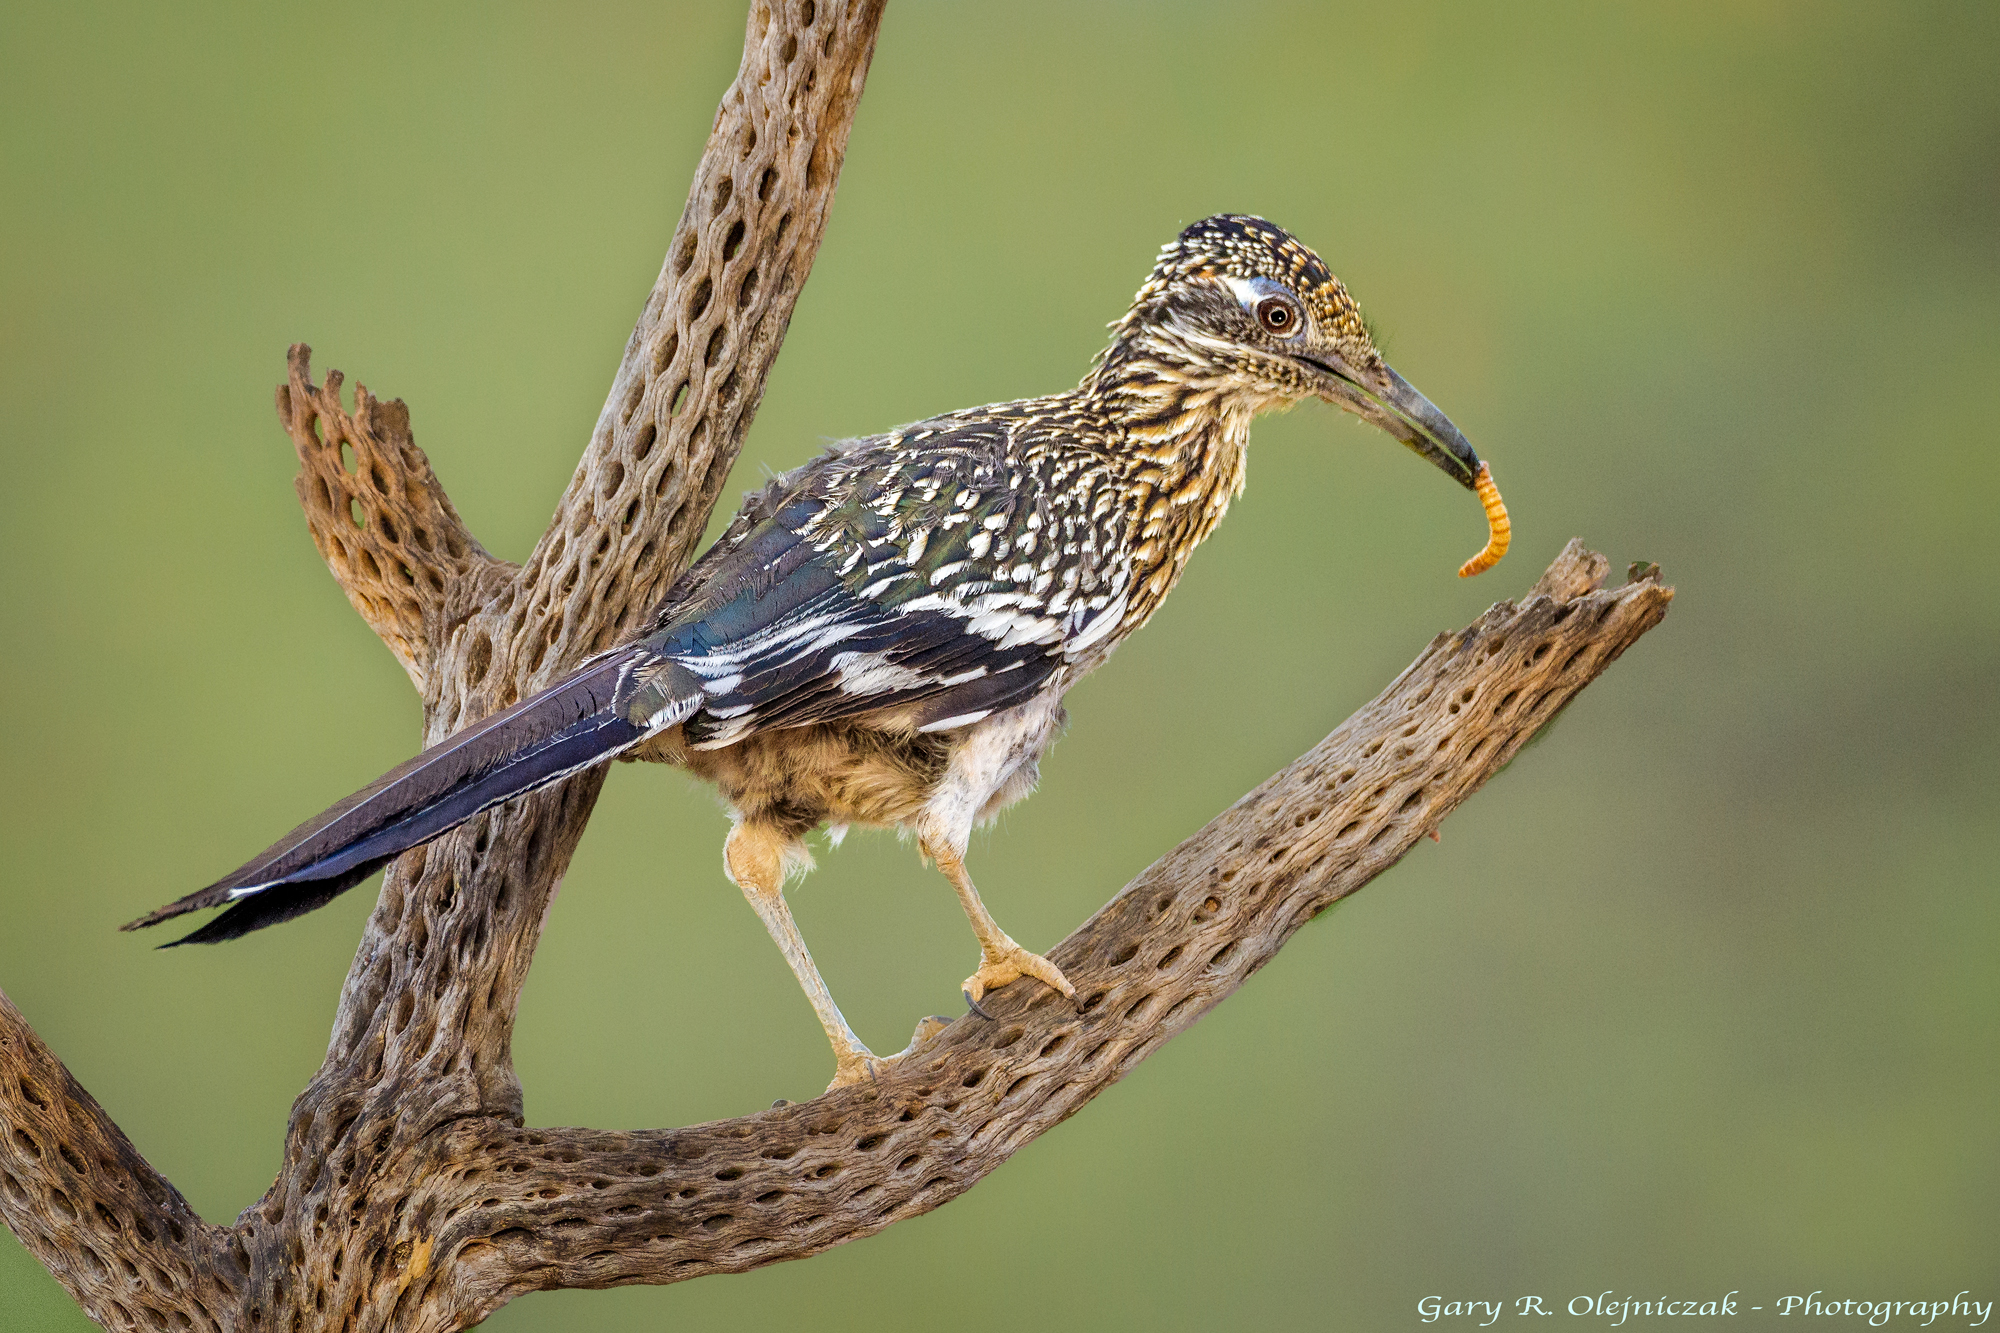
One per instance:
(1496, 520)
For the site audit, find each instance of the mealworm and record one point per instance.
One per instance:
(1502, 530)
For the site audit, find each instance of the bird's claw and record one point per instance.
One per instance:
(973, 1005)
(1017, 962)
(927, 1028)
(855, 1068)
(862, 1064)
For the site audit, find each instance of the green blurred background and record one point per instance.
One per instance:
(1700, 995)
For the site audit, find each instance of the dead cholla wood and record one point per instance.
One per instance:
(83, 1201)
(380, 519)
(410, 1197)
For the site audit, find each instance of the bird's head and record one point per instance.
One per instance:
(1239, 306)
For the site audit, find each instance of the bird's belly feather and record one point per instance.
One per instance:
(875, 773)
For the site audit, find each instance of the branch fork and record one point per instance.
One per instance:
(411, 1195)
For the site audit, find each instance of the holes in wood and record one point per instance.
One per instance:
(765, 183)
(733, 242)
(724, 188)
(664, 353)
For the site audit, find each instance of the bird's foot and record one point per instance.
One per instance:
(860, 1065)
(1003, 967)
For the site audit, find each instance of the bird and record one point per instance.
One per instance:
(883, 636)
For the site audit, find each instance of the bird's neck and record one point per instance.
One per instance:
(1184, 422)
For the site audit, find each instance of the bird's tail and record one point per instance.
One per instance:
(567, 727)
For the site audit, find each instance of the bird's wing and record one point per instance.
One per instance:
(880, 581)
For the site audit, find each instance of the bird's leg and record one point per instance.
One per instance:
(1001, 960)
(755, 860)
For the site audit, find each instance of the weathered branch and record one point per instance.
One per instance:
(380, 519)
(119, 1238)
(410, 1195)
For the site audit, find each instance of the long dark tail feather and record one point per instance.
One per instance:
(568, 727)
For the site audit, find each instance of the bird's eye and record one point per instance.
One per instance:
(1276, 314)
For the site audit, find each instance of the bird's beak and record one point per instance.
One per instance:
(1383, 397)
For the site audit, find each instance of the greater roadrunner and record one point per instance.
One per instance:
(883, 636)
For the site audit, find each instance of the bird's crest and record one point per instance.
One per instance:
(1237, 245)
